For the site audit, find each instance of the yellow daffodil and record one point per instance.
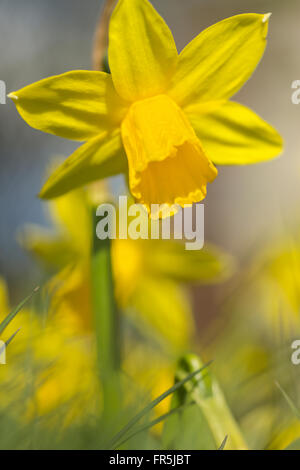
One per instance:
(286, 435)
(268, 291)
(277, 283)
(50, 369)
(168, 113)
(148, 274)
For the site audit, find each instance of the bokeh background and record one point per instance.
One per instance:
(245, 205)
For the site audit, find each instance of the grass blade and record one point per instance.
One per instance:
(12, 337)
(289, 401)
(210, 399)
(151, 405)
(222, 446)
(8, 341)
(14, 312)
(153, 423)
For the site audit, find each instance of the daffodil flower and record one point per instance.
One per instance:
(59, 364)
(161, 117)
(148, 274)
(273, 285)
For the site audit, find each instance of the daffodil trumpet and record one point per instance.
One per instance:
(162, 118)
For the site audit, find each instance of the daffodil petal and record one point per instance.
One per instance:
(235, 135)
(76, 105)
(220, 60)
(63, 218)
(46, 247)
(4, 299)
(171, 259)
(165, 309)
(98, 158)
(142, 52)
(285, 436)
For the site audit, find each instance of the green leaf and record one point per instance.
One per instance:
(210, 399)
(121, 434)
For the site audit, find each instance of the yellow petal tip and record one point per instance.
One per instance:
(48, 192)
(42, 194)
(266, 17)
(12, 96)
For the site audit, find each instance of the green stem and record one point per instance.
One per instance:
(220, 419)
(209, 397)
(106, 321)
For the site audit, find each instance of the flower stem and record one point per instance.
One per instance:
(105, 320)
(208, 396)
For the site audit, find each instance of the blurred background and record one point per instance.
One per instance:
(247, 209)
(244, 204)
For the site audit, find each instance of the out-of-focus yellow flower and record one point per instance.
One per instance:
(285, 436)
(279, 274)
(4, 301)
(152, 372)
(169, 112)
(50, 369)
(22, 321)
(262, 321)
(148, 273)
(69, 375)
(268, 292)
(51, 372)
(259, 422)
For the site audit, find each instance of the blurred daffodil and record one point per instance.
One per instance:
(259, 322)
(148, 277)
(50, 370)
(268, 290)
(278, 285)
(285, 436)
(148, 274)
(169, 114)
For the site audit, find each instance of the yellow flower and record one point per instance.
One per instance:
(286, 435)
(268, 292)
(277, 283)
(152, 371)
(51, 371)
(147, 273)
(50, 368)
(148, 277)
(168, 111)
